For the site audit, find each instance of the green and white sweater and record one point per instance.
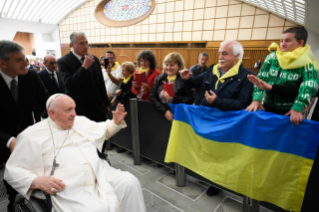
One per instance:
(272, 73)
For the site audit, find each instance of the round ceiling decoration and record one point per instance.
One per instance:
(120, 13)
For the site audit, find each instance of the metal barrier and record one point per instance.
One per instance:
(147, 135)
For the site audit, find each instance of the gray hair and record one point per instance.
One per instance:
(6, 47)
(238, 49)
(73, 34)
(203, 54)
(52, 102)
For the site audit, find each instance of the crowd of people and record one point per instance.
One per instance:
(82, 88)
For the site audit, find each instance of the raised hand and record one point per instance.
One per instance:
(259, 83)
(49, 185)
(119, 114)
(185, 74)
(88, 61)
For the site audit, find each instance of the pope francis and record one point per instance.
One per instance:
(58, 156)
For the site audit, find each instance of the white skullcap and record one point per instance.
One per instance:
(51, 98)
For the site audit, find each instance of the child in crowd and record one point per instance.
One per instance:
(125, 93)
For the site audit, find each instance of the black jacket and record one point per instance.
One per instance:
(48, 83)
(17, 117)
(183, 94)
(86, 87)
(126, 91)
(234, 94)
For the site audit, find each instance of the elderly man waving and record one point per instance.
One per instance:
(58, 156)
(227, 85)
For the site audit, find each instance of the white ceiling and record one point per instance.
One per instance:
(43, 11)
(54, 11)
(293, 10)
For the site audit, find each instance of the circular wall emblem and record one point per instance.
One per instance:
(120, 13)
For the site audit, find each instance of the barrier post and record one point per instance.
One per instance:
(250, 205)
(135, 132)
(180, 175)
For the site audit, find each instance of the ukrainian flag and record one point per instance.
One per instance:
(260, 155)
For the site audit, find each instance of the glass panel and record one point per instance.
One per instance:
(123, 10)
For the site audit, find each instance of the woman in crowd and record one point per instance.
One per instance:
(159, 98)
(146, 62)
(125, 93)
(102, 63)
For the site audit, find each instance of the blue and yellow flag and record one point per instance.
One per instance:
(260, 155)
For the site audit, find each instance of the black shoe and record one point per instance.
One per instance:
(212, 191)
(120, 150)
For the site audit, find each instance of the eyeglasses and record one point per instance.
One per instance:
(110, 58)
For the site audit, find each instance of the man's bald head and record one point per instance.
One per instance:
(61, 109)
(50, 63)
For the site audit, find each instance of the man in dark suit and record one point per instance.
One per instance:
(20, 90)
(51, 78)
(82, 76)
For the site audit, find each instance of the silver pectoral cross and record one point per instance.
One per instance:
(55, 164)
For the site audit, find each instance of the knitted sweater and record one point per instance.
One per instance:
(272, 73)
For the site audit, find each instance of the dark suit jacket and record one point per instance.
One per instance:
(31, 68)
(86, 87)
(17, 117)
(48, 83)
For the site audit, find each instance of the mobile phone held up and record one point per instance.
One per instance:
(207, 87)
(106, 62)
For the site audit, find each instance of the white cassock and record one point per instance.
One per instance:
(91, 184)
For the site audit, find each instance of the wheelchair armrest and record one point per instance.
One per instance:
(34, 204)
(103, 156)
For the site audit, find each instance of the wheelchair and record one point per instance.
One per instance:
(41, 202)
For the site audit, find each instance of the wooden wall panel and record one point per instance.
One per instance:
(26, 40)
(190, 55)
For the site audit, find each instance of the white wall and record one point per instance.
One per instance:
(313, 41)
(42, 33)
(56, 39)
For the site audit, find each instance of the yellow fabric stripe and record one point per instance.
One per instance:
(171, 79)
(265, 175)
(295, 59)
(115, 66)
(142, 70)
(125, 80)
(230, 73)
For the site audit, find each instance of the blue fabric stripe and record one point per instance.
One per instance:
(260, 130)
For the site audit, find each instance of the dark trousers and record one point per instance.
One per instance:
(12, 194)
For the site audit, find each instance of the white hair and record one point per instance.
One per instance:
(238, 49)
(52, 102)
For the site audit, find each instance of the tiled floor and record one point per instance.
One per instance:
(159, 189)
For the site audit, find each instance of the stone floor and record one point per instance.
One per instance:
(160, 192)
